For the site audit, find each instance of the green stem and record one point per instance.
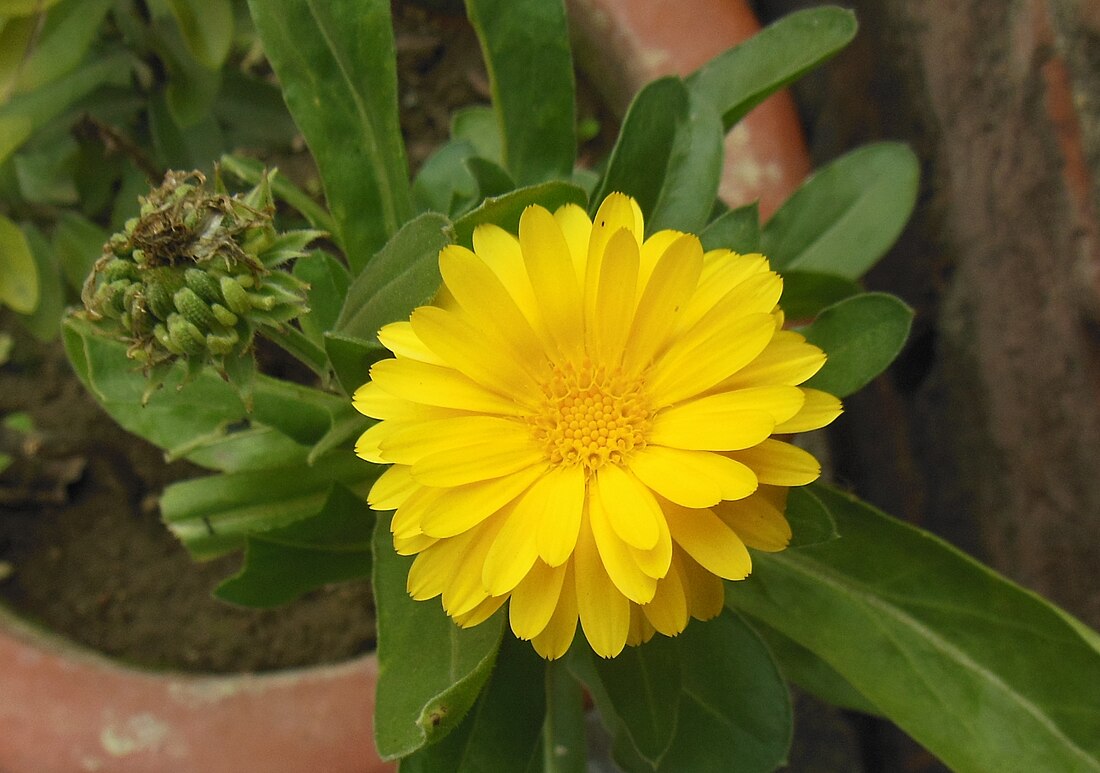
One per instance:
(294, 342)
(564, 749)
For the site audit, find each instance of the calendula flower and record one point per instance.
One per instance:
(582, 425)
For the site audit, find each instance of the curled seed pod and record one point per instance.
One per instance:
(185, 335)
(194, 309)
(204, 285)
(160, 332)
(159, 300)
(236, 297)
(222, 344)
(247, 281)
(117, 269)
(224, 315)
(129, 226)
(262, 302)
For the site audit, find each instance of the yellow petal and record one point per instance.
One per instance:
(616, 211)
(410, 546)
(664, 297)
(433, 569)
(465, 591)
(482, 459)
(758, 522)
(687, 427)
(392, 488)
(631, 509)
(708, 540)
(512, 554)
(641, 630)
(707, 354)
(617, 558)
(368, 446)
(554, 640)
(818, 410)
(501, 252)
(454, 510)
(652, 250)
(535, 598)
(692, 478)
(668, 611)
(780, 464)
(402, 340)
(439, 386)
(481, 612)
(611, 310)
(604, 612)
(577, 230)
(476, 353)
(788, 359)
(486, 301)
(405, 523)
(546, 255)
(408, 442)
(372, 401)
(706, 595)
(554, 505)
(722, 271)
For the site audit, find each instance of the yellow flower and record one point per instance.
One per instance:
(582, 424)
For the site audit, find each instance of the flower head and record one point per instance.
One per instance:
(582, 426)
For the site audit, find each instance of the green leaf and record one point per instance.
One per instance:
(737, 230)
(811, 673)
(282, 564)
(404, 275)
(564, 745)
(640, 159)
(861, 336)
(478, 126)
(430, 671)
(445, 183)
(525, 44)
(196, 146)
(734, 712)
(61, 44)
(643, 686)
(191, 87)
(846, 215)
(26, 113)
(45, 322)
(984, 674)
(693, 172)
(78, 243)
(807, 293)
(251, 171)
(46, 174)
(491, 178)
(213, 515)
(254, 114)
(336, 63)
(505, 211)
(742, 77)
(503, 730)
(328, 282)
(24, 7)
(351, 359)
(207, 27)
(811, 523)
(19, 288)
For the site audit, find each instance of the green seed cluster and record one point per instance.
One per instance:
(195, 273)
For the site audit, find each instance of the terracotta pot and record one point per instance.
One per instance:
(65, 709)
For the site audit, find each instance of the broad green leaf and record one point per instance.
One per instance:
(213, 515)
(59, 46)
(328, 282)
(46, 174)
(445, 184)
(502, 732)
(694, 171)
(846, 215)
(251, 171)
(505, 211)
(861, 336)
(811, 673)
(807, 293)
(351, 359)
(16, 35)
(640, 159)
(78, 243)
(404, 275)
(525, 44)
(430, 671)
(204, 421)
(984, 674)
(19, 288)
(207, 27)
(564, 743)
(734, 712)
(254, 114)
(45, 322)
(24, 7)
(196, 146)
(478, 126)
(26, 113)
(643, 686)
(742, 77)
(282, 564)
(336, 63)
(737, 230)
(811, 523)
(491, 179)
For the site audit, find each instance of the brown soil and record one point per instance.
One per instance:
(82, 549)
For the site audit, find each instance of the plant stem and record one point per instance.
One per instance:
(564, 749)
(294, 342)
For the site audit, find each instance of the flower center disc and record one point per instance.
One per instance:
(590, 415)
